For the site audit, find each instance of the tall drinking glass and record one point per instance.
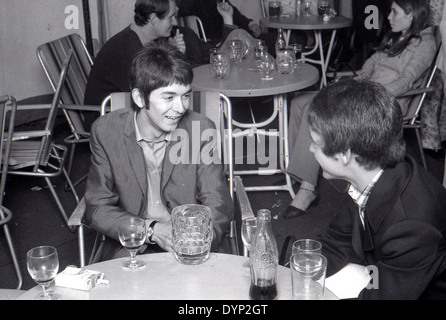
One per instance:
(308, 271)
(306, 246)
(323, 7)
(249, 227)
(275, 9)
(43, 265)
(132, 234)
(259, 48)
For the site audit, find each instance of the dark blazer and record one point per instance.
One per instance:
(117, 181)
(404, 236)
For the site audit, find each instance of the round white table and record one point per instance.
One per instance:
(316, 24)
(222, 277)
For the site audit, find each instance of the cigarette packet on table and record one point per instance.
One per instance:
(80, 279)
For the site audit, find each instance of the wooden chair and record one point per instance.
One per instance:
(7, 131)
(195, 24)
(34, 153)
(51, 56)
(241, 202)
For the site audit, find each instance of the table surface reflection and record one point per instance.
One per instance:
(222, 277)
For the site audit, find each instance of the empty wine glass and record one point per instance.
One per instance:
(249, 227)
(43, 265)
(132, 234)
(267, 65)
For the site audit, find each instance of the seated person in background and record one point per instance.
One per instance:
(212, 21)
(405, 54)
(153, 21)
(394, 217)
(136, 166)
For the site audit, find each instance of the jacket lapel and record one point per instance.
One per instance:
(134, 152)
(357, 231)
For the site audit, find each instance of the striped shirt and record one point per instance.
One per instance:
(361, 198)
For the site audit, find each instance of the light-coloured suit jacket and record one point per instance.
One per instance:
(117, 182)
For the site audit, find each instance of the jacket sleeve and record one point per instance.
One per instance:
(102, 199)
(239, 19)
(422, 54)
(410, 256)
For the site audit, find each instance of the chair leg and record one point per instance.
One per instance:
(56, 198)
(420, 147)
(3, 210)
(70, 185)
(80, 232)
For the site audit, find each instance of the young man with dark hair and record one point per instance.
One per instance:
(135, 166)
(395, 217)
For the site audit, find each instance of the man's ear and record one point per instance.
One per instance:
(345, 156)
(138, 98)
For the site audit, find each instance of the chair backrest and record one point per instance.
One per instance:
(417, 100)
(116, 100)
(52, 114)
(51, 56)
(195, 24)
(7, 130)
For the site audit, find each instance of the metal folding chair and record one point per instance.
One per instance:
(34, 153)
(51, 56)
(418, 95)
(7, 130)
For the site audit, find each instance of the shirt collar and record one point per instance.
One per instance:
(139, 136)
(361, 198)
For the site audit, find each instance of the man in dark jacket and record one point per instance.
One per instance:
(395, 216)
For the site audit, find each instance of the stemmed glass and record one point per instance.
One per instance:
(249, 227)
(267, 65)
(43, 265)
(132, 234)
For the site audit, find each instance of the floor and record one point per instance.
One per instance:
(36, 220)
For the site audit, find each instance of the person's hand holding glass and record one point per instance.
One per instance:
(249, 227)
(132, 235)
(43, 265)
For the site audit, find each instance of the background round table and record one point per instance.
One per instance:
(245, 83)
(245, 80)
(317, 25)
(222, 277)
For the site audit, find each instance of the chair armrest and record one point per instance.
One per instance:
(416, 92)
(242, 199)
(24, 135)
(77, 216)
(33, 106)
(80, 107)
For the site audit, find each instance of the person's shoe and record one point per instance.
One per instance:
(292, 212)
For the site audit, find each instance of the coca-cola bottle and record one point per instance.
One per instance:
(263, 259)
